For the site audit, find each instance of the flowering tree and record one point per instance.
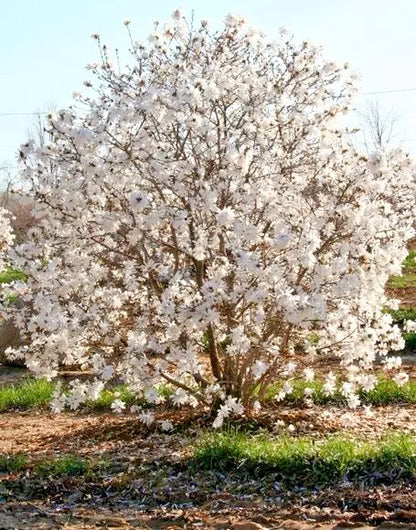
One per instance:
(206, 220)
(6, 237)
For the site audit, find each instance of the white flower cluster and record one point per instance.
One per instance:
(206, 217)
(6, 237)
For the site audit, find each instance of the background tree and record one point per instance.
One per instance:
(379, 128)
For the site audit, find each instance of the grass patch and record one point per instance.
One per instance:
(410, 340)
(106, 398)
(405, 281)
(305, 461)
(401, 315)
(409, 264)
(62, 466)
(26, 394)
(297, 396)
(408, 277)
(37, 393)
(385, 392)
(10, 275)
(12, 463)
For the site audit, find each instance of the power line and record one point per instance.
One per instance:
(396, 91)
(373, 93)
(24, 113)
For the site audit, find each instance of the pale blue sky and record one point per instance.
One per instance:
(45, 45)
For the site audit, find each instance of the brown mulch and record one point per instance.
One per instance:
(122, 438)
(37, 515)
(41, 433)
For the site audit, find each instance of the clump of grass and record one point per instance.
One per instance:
(26, 394)
(12, 463)
(406, 281)
(232, 449)
(409, 264)
(399, 316)
(107, 396)
(387, 391)
(305, 461)
(62, 466)
(410, 340)
(297, 396)
(10, 275)
(123, 392)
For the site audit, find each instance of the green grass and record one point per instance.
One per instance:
(409, 264)
(12, 463)
(11, 275)
(106, 397)
(385, 392)
(63, 466)
(410, 340)
(408, 277)
(37, 393)
(54, 467)
(305, 460)
(27, 394)
(405, 281)
(400, 316)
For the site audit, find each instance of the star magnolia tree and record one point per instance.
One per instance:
(203, 221)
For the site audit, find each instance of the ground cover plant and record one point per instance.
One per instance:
(408, 277)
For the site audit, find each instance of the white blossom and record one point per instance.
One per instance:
(147, 418)
(259, 368)
(309, 374)
(139, 200)
(118, 406)
(166, 425)
(401, 378)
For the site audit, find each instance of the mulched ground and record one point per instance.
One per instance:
(150, 484)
